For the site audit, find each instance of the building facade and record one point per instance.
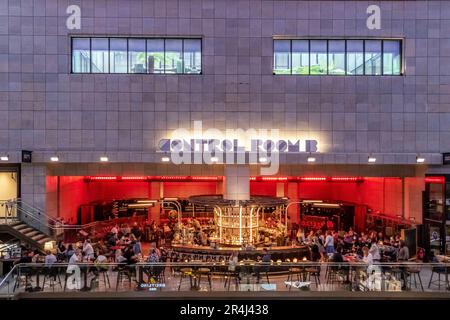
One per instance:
(85, 80)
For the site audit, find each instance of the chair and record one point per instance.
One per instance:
(204, 272)
(52, 274)
(28, 272)
(414, 273)
(440, 271)
(315, 272)
(299, 272)
(231, 275)
(186, 272)
(123, 272)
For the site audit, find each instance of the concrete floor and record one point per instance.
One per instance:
(247, 283)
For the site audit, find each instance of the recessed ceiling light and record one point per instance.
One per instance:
(104, 159)
(4, 158)
(311, 159)
(214, 159)
(420, 159)
(54, 159)
(262, 159)
(371, 159)
(165, 159)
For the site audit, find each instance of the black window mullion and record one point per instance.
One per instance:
(382, 58)
(327, 50)
(164, 56)
(364, 57)
(309, 57)
(109, 55)
(128, 56)
(290, 56)
(345, 57)
(182, 56)
(90, 55)
(146, 56)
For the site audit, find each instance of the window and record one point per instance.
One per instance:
(372, 57)
(391, 57)
(355, 57)
(118, 55)
(155, 55)
(173, 62)
(192, 56)
(136, 55)
(300, 56)
(281, 58)
(318, 57)
(100, 59)
(337, 57)
(81, 55)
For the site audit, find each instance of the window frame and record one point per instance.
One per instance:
(346, 39)
(127, 38)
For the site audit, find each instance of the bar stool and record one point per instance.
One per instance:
(185, 272)
(123, 272)
(294, 272)
(440, 271)
(205, 272)
(315, 272)
(414, 273)
(231, 275)
(52, 275)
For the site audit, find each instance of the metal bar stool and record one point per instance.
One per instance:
(414, 273)
(185, 272)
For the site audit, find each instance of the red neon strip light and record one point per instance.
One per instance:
(309, 179)
(101, 178)
(313, 179)
(152, 178)
(435, 179)
(134, 178)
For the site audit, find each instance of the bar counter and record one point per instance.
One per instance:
(276, 252)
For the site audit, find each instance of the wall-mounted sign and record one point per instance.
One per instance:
(234, 145)
(26, 156)
(446, 158)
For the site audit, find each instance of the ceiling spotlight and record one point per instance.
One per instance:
(4, 158)
(214, 159)
(311, 159)
(104, 159)
(371, 159)
(420, 159)
(54, 159)
(262, 159)
(165, 159)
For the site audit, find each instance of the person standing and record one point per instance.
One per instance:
(329, 243)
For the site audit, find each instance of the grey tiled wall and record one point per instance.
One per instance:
(45, 108)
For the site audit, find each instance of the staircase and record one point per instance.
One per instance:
(29, 225)
(26, 234)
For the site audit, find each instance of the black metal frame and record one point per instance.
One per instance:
(146, 54)
(401, 44)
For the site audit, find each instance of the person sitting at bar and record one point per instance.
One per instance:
(367, 256)
(403, 256)
(88, 250)
(50, 258)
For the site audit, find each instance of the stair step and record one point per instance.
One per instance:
(26, 230)
(38, 237)
(20, 226)
(32, 233)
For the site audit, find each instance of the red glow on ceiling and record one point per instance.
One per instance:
(435, 179)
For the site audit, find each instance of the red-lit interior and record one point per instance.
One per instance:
(383, 195)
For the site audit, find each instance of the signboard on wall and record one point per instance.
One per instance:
(446, 158)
